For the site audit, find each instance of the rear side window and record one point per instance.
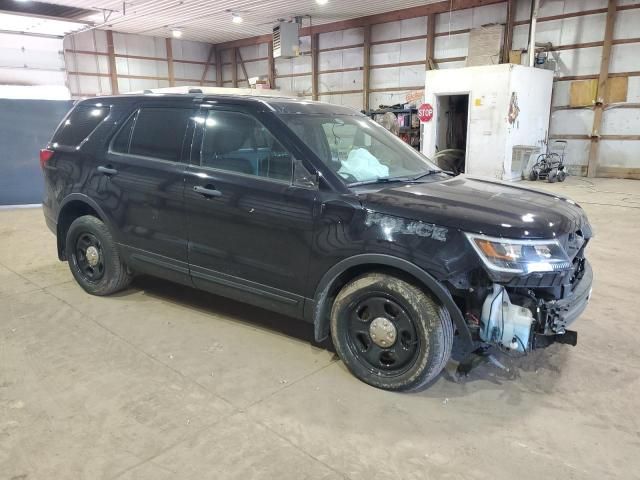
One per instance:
(157, 133)
(82, 121)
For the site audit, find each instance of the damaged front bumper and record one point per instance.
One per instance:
(562, 313)
(522, 319)
(557, 315)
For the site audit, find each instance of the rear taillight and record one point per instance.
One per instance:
(45, 156)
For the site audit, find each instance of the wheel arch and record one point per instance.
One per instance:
(344, 271)
(74, 206)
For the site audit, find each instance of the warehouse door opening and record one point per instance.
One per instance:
(451, 132)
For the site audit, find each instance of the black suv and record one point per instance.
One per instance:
(314, 211)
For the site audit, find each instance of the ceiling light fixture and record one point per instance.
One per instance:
(322, 2)
(236, 18)
(176, 32)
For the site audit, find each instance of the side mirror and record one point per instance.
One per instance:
(302, 177)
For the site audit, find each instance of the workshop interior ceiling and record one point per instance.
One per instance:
(211, 21)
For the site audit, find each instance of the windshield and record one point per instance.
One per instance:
(357, 148)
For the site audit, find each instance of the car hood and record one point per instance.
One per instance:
(480, 206)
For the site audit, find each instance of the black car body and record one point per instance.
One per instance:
(265, 218)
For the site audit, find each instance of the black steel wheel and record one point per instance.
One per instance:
(553, 175)
(382, 335)
(89, 257)
(93, 257)
(390, 333)
(533, 175)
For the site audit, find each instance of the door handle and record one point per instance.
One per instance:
(108, 171)
(208, 191)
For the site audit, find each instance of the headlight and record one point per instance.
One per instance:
(519, 256)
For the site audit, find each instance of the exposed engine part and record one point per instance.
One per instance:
(505, 324)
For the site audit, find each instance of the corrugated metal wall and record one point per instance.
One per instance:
(141, 62)
(396, 64)
(398, 53)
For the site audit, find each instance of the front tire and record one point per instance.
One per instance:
(389, 333)
(93, 257)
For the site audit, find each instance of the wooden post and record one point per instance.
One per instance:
(219, 79)
(592, 168)
(431, 40)
(244, 69)
(234, 67)
(508, 31)
(314, 65)
(212, 52)
(366, 67)
(172, 77)
(272, 67)
(113, 73)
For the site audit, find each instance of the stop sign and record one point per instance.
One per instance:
(425, 112)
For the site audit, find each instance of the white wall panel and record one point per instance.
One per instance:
(452, 46)
(615, 153)
(550, 8)
(302, 85)
(139, 45)
(193, 71)
(186, 50)
(95, 40)
(471, 18)
(384, 77)
(571, 122)
(135, 85)
(561, 93)
(257, 69)
(339, 81)
(627, 24)
(625, 58)
(149, 68)
(353, 100)
(581, 61)
(385, 54)
(576, 155)
(351, 57)
(286, 66)
(341, 38)
(621, 121)
(633, 90)
(254, 51)
(79, 62)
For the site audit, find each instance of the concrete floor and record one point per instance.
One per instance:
(163, 382)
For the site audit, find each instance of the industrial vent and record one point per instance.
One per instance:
(285, 40)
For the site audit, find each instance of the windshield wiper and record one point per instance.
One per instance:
(381, 180)
(427, 173)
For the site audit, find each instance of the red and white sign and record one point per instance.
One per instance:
(425, 112)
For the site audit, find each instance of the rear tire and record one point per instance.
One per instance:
(562, 175)
(553, 175)
(533, 175)
(93, 257)
(390, 334)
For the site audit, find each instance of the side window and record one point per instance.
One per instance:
(121, 142)
(82, 121)
(159, 132)
(236, 142)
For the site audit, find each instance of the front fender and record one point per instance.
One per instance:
(320, 308)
